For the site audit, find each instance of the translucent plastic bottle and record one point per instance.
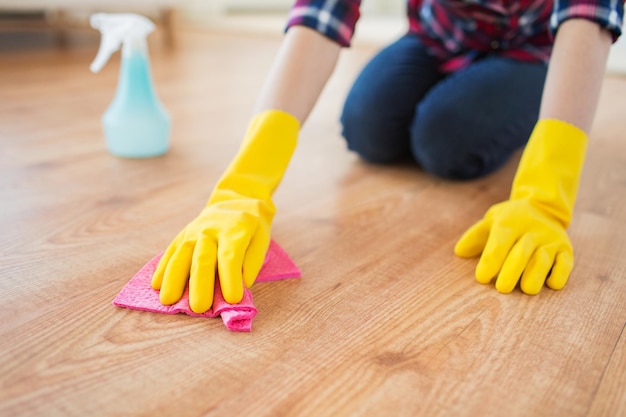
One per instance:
(136, 125)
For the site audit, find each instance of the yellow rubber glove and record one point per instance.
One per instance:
(233, 231)
(524, 237)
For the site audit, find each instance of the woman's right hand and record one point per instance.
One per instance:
(232, 233)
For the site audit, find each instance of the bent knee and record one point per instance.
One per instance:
(372, 136)
(456, 155)
(457, 166)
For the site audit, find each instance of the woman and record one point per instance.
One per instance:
(472, 81)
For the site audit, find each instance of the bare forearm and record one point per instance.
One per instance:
(575, 73)
(303, 66)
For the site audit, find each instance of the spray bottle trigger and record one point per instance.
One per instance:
(108, 46)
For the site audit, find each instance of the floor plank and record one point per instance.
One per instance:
(385, 320)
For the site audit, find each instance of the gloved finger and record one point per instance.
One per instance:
(202, 276)
(514, 264)
(561, 270)
(157, 277)
(473, 240)
(255, 256)
(176, 274)
(231, 250)
(497, 248)
(537, 270)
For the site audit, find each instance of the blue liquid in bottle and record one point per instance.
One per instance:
(136, 125)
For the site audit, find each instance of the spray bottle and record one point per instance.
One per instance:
(136, 125)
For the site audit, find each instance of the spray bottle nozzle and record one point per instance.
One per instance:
(117, 29)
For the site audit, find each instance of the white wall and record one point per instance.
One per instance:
(383, 6)
(617, 56)
(220, 7)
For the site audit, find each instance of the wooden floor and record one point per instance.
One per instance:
(385, 321)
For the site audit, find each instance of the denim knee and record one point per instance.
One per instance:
(447, 147)
(369, 135)
(470, 123)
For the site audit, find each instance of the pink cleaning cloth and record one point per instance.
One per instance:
(138, 294)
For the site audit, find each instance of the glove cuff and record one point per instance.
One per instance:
(549, 170)
(263, 158)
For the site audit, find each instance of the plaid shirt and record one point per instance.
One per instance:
(458, 32)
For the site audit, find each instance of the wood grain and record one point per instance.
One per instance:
(385, 320)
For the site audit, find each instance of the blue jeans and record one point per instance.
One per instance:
(461, 125)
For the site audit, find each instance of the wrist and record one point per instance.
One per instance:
(262, 160)
(550, 167)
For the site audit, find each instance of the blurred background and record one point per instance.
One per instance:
(63, 23)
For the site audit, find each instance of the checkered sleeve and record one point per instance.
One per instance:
(335, 19)
(607, 13)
